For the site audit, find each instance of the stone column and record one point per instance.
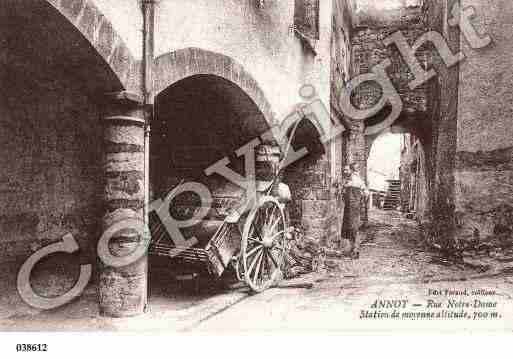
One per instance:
(123, 288)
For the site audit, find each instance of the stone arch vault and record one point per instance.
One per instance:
(174, 66)
(98, 30)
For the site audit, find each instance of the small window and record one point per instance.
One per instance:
(306, 18)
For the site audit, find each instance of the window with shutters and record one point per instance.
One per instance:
(306, 18)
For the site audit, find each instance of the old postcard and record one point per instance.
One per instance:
(256, 165)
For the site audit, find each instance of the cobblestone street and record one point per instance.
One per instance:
(393, 266)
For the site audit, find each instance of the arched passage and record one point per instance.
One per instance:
(398, 159)
(316, 210)
(101, 36)
(177, 65)
(51, 76)
(199, 120)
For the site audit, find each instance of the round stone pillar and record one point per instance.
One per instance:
(123, 283)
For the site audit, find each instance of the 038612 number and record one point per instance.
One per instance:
(31, 347)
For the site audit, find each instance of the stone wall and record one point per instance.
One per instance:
(406, 177)
(396, 13)
(371, 26)
(315, 208)
(340, 73)
(438, 134)
(464, 146)
(257, 48)
(340, 51)
(51, 137)
(51, 179)
(484, 167)
(260, 38)
(429, 111)
(414, 196)
(51, 124)
(369, 50)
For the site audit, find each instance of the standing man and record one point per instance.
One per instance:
(355, 191)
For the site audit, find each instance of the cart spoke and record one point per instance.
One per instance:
(255, 228)
(272, 213)
(266, 222)
(250, 269)
(255, 240)
(254, 233)
(274, 224)
(253, 250)
(259, 265)
(273, 260)
(269, 217)
(264, 231)
(266, 268)
(277, 234)
(258, 233)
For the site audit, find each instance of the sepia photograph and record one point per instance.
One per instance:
(261, 166)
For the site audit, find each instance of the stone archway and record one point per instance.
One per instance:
(400, 153)
(316, 209)
(180, 64)
(199, 120)
(98, 30)
(73, 32)
(61, 58)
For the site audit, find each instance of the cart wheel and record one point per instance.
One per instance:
(263, 244)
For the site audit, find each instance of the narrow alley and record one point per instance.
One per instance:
(394, 265)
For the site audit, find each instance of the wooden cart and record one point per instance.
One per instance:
(254, 245)
(251, 238)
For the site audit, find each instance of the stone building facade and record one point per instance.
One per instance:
(457, 155)
(483, 173)
(108, 104)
